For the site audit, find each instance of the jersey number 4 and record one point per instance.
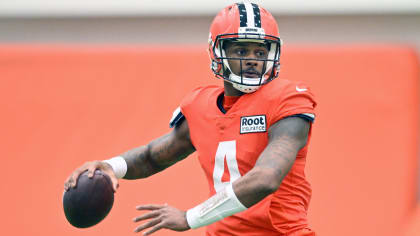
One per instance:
(226, 150)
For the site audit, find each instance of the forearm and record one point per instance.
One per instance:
(266, 178)
(251, 188)
(139, 164)
(150, 159)
(159, 154)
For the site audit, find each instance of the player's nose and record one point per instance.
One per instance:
(251, 62)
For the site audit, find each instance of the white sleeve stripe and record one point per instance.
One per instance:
(176, 117)
(175, 114)
(309, 114)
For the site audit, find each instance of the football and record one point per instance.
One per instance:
(90, 201)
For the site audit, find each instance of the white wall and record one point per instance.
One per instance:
(30, 8)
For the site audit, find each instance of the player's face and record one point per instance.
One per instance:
(251, 68)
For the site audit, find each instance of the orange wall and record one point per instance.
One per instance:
(65, 104)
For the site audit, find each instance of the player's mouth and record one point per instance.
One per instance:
(251, 74)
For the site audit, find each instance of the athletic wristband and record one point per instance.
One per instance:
(119, 165)
(221, 205)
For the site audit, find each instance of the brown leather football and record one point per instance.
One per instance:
(90, 202)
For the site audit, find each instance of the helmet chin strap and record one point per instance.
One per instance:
(241, 87)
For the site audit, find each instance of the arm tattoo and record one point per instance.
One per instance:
(138, 163)
(281, 152)
(159, 154)
(286, 138)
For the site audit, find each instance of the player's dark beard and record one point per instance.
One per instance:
(251, 71)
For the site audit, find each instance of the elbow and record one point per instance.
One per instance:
(269, 181)
(271, 184)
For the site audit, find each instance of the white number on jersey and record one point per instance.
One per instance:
(226, 150)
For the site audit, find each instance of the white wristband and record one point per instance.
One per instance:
(221, 205)
(119, 165)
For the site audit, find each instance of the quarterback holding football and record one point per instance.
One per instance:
(257, 125)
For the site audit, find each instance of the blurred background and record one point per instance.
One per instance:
(187, 21)
(85, 80)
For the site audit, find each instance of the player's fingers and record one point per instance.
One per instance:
(115, 184)
(150, 207)
(114, 180)
(110, 172)
(155, 228)
(67, 184)
(148, 225)
(91, 170)
(148, 215)
(74, 177)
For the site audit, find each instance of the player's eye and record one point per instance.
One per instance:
(261, 54)
(240, 52)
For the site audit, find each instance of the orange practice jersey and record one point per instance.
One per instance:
(228, 145)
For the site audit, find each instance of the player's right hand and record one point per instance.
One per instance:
(91, 166)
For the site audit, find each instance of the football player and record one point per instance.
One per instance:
(258, 125)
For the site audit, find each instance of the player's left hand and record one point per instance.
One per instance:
(161, 217)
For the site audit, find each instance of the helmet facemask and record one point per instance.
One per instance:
(221, 67)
